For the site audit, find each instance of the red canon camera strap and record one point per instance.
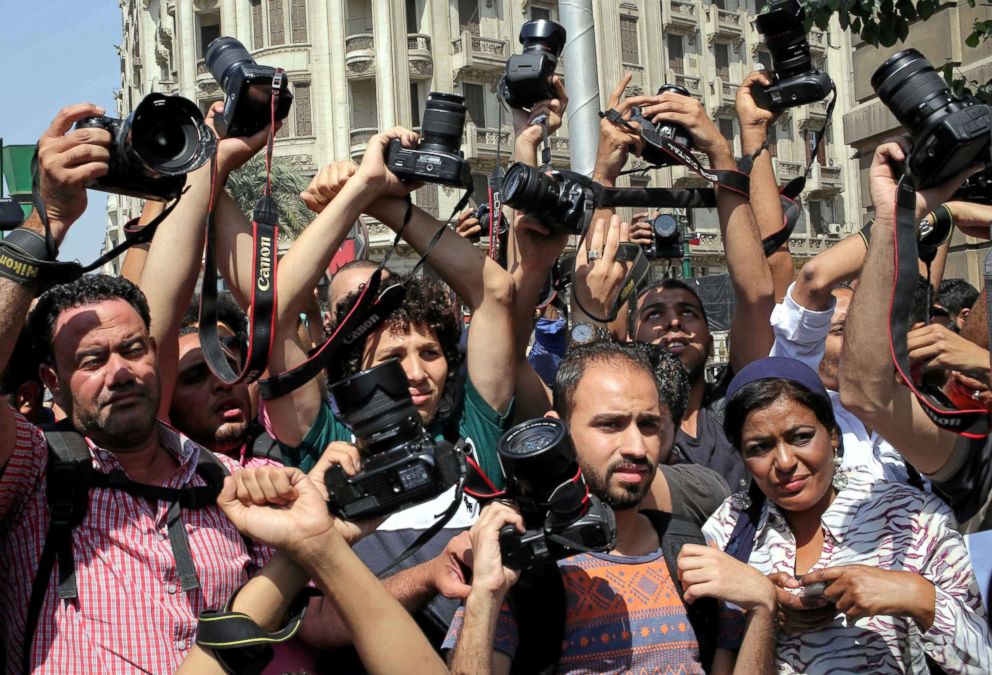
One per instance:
(972, 423)
(262, 308)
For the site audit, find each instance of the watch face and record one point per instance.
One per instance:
(582, 332)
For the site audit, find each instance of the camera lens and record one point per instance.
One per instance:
(444, 121)
(909, 86)
(543, 36)
(673, 88)
(526, 188)
(376, 404)
(223, 54)
(665, 225)
(168, 136)
(539, 456)
(785, 37)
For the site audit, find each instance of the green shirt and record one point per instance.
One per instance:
(478, 424)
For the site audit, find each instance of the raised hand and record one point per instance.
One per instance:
(69, 161)
(616, 142)
(553, 109)
(940, 348)
(689, 112)
(449, 570)
(468, 226)
(379, 180)
(489, 575)
(598, 273)
(750, 114)
(233, 152)
(327, 183)
(349, 459)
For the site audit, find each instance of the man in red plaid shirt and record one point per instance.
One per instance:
(131, 612)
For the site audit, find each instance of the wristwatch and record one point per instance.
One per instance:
(584, 333)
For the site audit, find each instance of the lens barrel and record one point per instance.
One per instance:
(543, 35)
(444, 121)
(910, 87)
(539, 456)
(527, 189)
(376, 404)
(786, 38)
(223, 55)
(166, 136)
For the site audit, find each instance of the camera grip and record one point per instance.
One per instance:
(761, 97)
(510, 546)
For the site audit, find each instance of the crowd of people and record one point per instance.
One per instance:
(800, 513)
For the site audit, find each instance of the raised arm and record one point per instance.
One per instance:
(67, 163)
(868, 385)
(765, 201)
(751, 334)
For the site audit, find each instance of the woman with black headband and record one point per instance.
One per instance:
(871, 575)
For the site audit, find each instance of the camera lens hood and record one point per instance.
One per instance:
(544, 35)
(168, 136)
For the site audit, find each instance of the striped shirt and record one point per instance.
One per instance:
(888, 526)
(131, 614)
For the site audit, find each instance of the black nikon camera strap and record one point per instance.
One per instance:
(30, 258)
(262, 307)
(971, 423)
(242, 646)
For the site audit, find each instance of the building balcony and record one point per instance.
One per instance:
(680, 16)
(818, 40)
(418, 47)
(722, 95)
(359, 56)
(813, 115)
(683, 177)
(724, 23)
(559, 149)
(478, 53)
(692, 84)
(826, 180)
(786, 170)
(360, 138)
(481, 142)
(808, 246)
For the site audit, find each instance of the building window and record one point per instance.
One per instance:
(304, 117)
(629, 51)
(475, 101)
(773, 140)
(414, 105)
(468, 16)
(298, 20)
(816, 222)
(721, 55)
(277, 31)
(257, 27)
(538, 13)
(676, 54)
(726, 128)
(427, 199)
(480, 188)
(209, 30)
(821, 152)
(412, 17)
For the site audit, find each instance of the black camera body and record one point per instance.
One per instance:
(950, 133)
(667, 234)
(797, 82)
(560, 517)
(559, 202)
(153, 149)
(528, 77)
(401, 464)
(438, 157)
(651, 133)
(484, 217)
(247, 87)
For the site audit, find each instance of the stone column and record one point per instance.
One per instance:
(334, 119)
(186, 49)
(385, 74)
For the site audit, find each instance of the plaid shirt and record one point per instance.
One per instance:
(131, 615)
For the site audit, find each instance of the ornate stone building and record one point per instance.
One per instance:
(357, 66)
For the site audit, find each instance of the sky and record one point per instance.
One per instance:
(54, 53)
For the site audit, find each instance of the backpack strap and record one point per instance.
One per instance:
(537, 602)
(69, 469)
(673, 533)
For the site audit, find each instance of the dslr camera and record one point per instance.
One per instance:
(401, 464)
(544, 479)
(438, 157)
(949, 133)
(651, 133)
(667, 234)
(484, 217)
(247, 87)
(797, 82)
(528, 77)
(153, 149)
(557, 200)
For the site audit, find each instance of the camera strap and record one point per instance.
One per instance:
(262, 306)
(30, 258)
(971, 423)
(789, 194)
(238, 643)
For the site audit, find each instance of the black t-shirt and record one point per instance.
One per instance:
(711, 448)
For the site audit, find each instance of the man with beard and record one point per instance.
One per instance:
(625, 611)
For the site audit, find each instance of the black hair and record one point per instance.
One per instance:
(229, 313)
(87, 290)
(919, 308)
(955, 295)
(760, 394)
(653, 361)
(426, 303)
(22, 367)
(664, 285)
(356, 265)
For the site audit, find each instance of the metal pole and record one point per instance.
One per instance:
(686, 251)
(581, 83)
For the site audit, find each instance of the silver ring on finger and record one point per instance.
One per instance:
(593, 255)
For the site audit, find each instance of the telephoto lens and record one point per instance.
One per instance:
(153, 149)
(558, 202)
(444, 121)
(949, 133)
(376, 405)
(247, 87)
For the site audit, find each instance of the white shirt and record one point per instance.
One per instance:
(801, 334)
